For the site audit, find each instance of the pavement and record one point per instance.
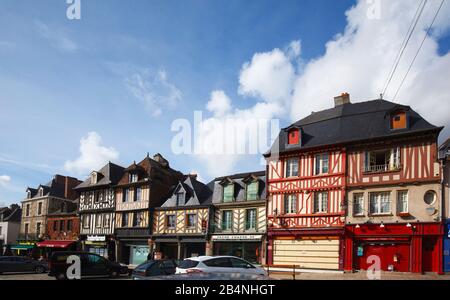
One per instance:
(299, 276)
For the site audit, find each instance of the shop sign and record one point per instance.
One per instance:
(96, 238)
(242, 237)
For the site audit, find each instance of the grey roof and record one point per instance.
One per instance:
(351, 122)
(11, 214)
(110, 175)
(54, 188)
(444, 149)
(195, 192)
(240, 182)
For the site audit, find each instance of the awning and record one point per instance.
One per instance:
(21, 247)
(55, 244)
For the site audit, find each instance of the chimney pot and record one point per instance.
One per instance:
(344, 98)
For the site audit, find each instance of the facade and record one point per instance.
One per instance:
(63, 228)
(142, 187)
(181, 224)
(365, 181)
(96, 209)
(240, 216)
(444, 156)
(40, 202)
(9, 225)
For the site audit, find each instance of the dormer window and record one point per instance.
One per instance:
(293, 136)
(252, 190)
(398, 120)
(28, 194)
(180, 198)
(41, 192)
(133, 177)
(228, 192)
(93, 177)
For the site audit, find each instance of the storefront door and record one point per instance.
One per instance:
(392, 255)
(430, 254)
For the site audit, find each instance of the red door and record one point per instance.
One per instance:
(390, 254)
(430, 259)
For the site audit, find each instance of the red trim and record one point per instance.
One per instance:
(305, 232)
(306, 177)
(55, 244)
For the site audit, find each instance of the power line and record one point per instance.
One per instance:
(405, 42)
(418, 50)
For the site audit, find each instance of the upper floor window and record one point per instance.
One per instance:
(133, 177)
(398, 120)
(61, 225)
(227, 220)
(38, 228)
(137, 219)
(402, 202)
(125, 195)
(137, 194)
(228, 193)
(106, 220)
(55, 225)
(27, 210)
(293, 136)
(125, 217)
(27, 227)
(380, 203)
(358, 204)
(93, 177)
(320, 202)
(191, 220)
(39, 212)
(98, 221)
(382, 160)
(252, 190)
(292, 167)
(28, 194)
(290, 204)
(250, 219)
(321, 163)
(69, 225)
(180, 198)
(86, 221)
(41, 192)
(171, 221)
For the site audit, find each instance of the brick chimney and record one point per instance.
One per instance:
(344, 98)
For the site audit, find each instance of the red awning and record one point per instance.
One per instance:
(55, 244)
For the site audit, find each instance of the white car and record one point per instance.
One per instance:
(218, 264)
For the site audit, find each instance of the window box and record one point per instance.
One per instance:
(404, 214)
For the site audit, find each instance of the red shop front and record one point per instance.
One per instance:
(415, 247)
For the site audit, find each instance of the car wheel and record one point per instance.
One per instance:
(113, 274)
(39, 269)
(60, 276)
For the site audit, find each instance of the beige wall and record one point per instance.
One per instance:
(159, 225)
(33, 217)
(416, 205)
(239, 214)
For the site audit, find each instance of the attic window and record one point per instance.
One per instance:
(133, 177)
(293, 136)
(228, 192)
(28, 194)
(398, 120)
(180, 198)
(93, 178)
(41, 192)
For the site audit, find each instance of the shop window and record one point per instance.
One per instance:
(429, 197)
(250, 219)
(191, 220)
(380, 203)
(398, 120)
(228, 193)
(382, 160)
(227, 220)
(402, 202)
(320, 202)
(321, 164)
(292, 167)
(171, 221)
(293, 136)
(290, 204)
(358, 204)
(252, 191)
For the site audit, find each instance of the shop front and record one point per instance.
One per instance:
(248, 247)
(447, 247)
(101, 245)
(50, 246)
(179, 247)
(407, 247)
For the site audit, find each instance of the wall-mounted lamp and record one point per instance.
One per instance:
(408, 225)
(381, 225)
(357, 226)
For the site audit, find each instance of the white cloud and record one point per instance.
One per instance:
(56, 36)
(154, 90)
(4, 180)
(219, 104)
(93, 155)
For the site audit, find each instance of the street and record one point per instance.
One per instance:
(299, 276)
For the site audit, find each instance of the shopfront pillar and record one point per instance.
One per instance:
(209, 248)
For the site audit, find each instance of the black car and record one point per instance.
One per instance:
(154, 268)
(92, 265)
(20, 264)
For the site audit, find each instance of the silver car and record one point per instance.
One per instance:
(218, 264)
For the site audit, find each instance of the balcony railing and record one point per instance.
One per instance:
(29, 236)
(381, 168)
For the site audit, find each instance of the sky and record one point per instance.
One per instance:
(123, 79)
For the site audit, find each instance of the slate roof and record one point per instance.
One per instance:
(351, 122)
(11, 214)
(444, 149)
(110, 175)
(196, 193)
(239, 190)
(55, 188)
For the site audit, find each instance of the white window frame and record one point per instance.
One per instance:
(320, 202)
(252, 220)
(289, 167)
(290, 204)
(231, 213)
(98, 220)
(379, 203)
(320, 168)
(402, 201)
(358, 200)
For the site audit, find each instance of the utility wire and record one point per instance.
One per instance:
(418, 50)
(405, 42)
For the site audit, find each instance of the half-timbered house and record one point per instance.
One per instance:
(181, 223)
(240, 216)
(142, 187)
(96, 208)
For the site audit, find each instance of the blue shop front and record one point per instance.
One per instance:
(447, 247)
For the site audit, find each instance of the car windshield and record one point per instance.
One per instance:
(144, 266)
(187, 263)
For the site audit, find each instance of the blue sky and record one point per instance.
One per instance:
(61, 79)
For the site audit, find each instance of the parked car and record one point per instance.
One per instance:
(92, 265)
(154, 268)
(22, 264)
(218, 264)
(210, 276)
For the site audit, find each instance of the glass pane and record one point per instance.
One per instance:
(228, 193)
